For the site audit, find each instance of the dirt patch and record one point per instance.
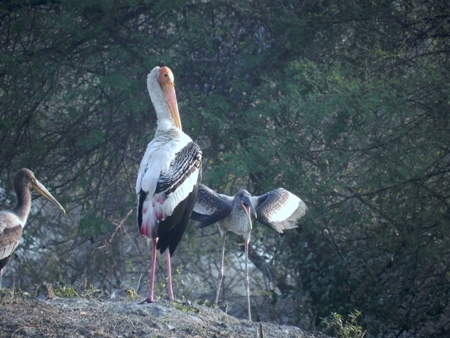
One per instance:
(122, 317)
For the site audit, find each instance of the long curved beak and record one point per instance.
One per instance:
(249, 208)
(166, 81)
(171, 97)
(46, 194)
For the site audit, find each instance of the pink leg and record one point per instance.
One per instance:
(247, 281)
(150, 298)
(169, 276)
(221, 269)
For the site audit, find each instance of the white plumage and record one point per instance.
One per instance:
(168, 177)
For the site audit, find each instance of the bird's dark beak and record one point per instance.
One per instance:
(248, 206)
(45, 193)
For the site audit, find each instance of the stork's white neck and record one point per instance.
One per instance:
(165, 124)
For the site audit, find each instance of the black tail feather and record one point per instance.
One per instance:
(171, 230)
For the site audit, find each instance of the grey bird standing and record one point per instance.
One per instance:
(278, 209)
(12, 221)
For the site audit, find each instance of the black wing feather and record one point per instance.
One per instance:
(172, 239)
(187, 161)
(272, 201)
(171, 230)
(210, 207)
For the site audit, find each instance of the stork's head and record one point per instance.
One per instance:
(161, 87)
(25, 179)
(244, 198)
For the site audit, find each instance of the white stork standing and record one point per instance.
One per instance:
(12, 221)
(168, 176)
(278, 209)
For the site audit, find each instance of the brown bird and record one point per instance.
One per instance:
(12, 221)
(168, 176)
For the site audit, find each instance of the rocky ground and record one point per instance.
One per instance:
(49, 316)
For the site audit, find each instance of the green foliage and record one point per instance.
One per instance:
(185, 284)
(345, 104)
(344, 328)
(66, 291)
(92, 225)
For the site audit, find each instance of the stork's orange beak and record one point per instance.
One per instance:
(166, 81)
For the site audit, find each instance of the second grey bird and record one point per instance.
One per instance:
(279, 209)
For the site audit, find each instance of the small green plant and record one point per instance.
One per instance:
(184, 285)
(181, 307)
(344, 328)
(160, 288)
(66, 291)
(85, 290)
(89, 291)
(131, 293)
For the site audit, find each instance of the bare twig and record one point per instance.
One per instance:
(109, 241)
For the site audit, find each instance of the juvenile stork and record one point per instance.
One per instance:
(278, 209)
(168, 176)
(12, 221)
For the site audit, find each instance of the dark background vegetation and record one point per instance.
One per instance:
(344, 103)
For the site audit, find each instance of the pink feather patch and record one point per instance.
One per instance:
(144, 229)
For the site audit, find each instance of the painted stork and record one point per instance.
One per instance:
(278, 209)
(168, 176)
(12, 221)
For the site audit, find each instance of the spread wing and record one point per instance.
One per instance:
(279, 209)
(210, 206)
